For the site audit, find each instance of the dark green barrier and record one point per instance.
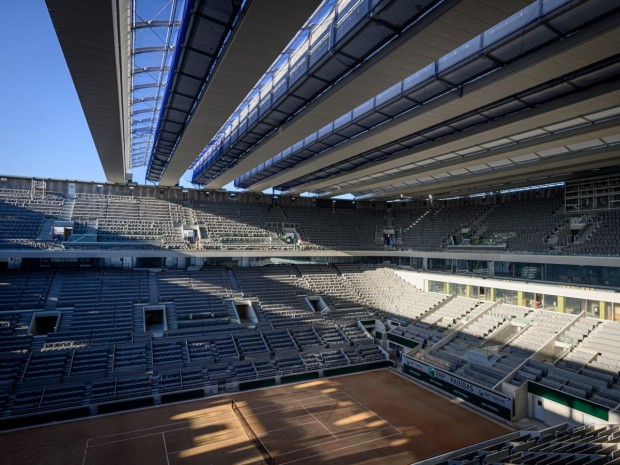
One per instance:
(125, 405)
(568, 400)
(485, 399)
(180, 396)
(357, 368)
(300, 377)
(403, 341)
(40, 418)
(261, 383)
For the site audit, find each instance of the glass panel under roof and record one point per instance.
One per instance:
(524, 158)
(588, 144)
(601, 115)
(154, 33)
(612, 139)
(499, 163)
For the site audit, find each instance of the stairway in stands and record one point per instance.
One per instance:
(67, 208)
(45, 233)
(54, 291)
(478, 225)
(153, 292)
(233, 284)
(171, 317)
(189, 219)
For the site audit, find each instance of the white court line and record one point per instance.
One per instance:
(289, 427)
(140, 430)
(146, 435)
(317, 420)
(216, 417)
(340, 448)
(341, 439)
(163, 438)
(354, 406)
(298, 401)
(234, 439)
(85, 452)
(371, 411)
(210, 443)
(285, 406)
(154, 427)
(221, 416)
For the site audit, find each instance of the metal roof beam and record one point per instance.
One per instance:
(152, 49)
(94, 37)
(153, 24)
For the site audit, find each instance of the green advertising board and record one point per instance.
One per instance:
(403, 341)
(568, 400)
(490, 401)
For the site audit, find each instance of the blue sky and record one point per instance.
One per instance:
(43, 131)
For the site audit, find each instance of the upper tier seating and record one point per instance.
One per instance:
(341, 229)
(526, 224)
(236, 225)
(429, 229)
(22, 216)
(128, 221)
(605, 239)
(124, 218)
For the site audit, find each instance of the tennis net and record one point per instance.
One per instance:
(269, 460)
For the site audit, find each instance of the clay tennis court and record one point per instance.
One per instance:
(373, 417)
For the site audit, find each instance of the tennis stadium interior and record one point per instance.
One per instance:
(429, 186)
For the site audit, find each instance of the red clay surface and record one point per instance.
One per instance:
(368, 418)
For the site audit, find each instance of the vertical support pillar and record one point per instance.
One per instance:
(602, 310)
(491, 269)
(561, 304)
(520, 299)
